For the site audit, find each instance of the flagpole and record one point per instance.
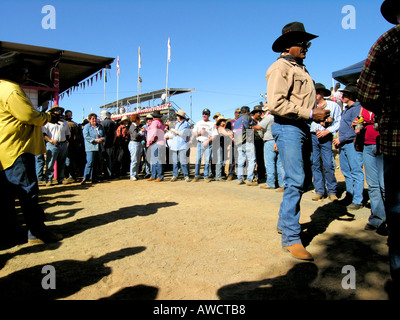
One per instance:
(166, 85)
(117, 84)
(138, 80)
(104, 81)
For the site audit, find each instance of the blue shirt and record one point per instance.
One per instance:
(346, 132)
(91, 133)
(335, 115)
(181, 141)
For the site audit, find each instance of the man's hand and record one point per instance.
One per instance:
(322, 133)
(320, 114)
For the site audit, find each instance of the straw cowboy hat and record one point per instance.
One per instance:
(292, 33)
(220, 118)
(321, 87)
(182, 114)
(57, 107)
(390, 10)
(124, 118)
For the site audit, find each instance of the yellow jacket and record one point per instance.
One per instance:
(290, 90)
(20, 125)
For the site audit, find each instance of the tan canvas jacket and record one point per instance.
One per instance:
(290, 90)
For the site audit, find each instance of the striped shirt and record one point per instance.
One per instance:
(379, 88)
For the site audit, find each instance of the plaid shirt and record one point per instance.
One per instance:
(379, 88)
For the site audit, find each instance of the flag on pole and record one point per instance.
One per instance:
(118, 72)
(140, 59)
(169, 50)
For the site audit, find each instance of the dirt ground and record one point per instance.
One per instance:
(192, 241)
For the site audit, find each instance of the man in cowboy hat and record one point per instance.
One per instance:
(321, 135)
(56, 137)
(180, 146)
(293, 111)
(20, 140)
(379, 92)
(351, 163)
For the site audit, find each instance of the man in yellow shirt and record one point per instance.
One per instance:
(20, 140)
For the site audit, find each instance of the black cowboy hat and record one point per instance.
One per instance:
(156, 114)
(321, 87)
(390, 9)
(292, 33)
(351, 89)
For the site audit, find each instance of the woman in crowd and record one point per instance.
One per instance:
(135, 146)
(93, 135)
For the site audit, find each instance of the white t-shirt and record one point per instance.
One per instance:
(205, 130)
(58, 132)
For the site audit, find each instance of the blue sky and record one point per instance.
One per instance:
(220, 48)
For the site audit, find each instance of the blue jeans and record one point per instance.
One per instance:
(135, 149)
(55, 153)
(351, 165)
(294, 145)
(207, 151)
(92, 165)
(273, 165)
(373, 165)
(156, 159)
(180, 158)
(39, 163)
(322, 150)
(392, 206)
(20, 181)
(246, 151)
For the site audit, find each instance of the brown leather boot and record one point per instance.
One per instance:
(299, 252)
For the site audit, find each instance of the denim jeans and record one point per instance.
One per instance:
(39, 163)
(351, 165)
(180, 158)
(55, 153)
(207, 151)
(322, 165)
(273, 165)
(92, 165)
(373, 166)
(135, 149)
(392, 206)
(232, 160)
(294, 145)
(20, 181)
(246, 151)
(156, 160)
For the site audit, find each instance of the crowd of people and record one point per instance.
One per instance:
(287, 144)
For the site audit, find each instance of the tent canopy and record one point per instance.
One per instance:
(350, 74)
(73, 67)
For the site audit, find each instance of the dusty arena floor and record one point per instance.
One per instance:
(192, 241)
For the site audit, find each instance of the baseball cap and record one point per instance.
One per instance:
(206, 111)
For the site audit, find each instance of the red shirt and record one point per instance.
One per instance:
(370, 133)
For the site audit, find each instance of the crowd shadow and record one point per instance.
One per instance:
(307, 281)
(322, 218)
(294, 285)
(139, 292)
(70, 277)
(78, 226)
